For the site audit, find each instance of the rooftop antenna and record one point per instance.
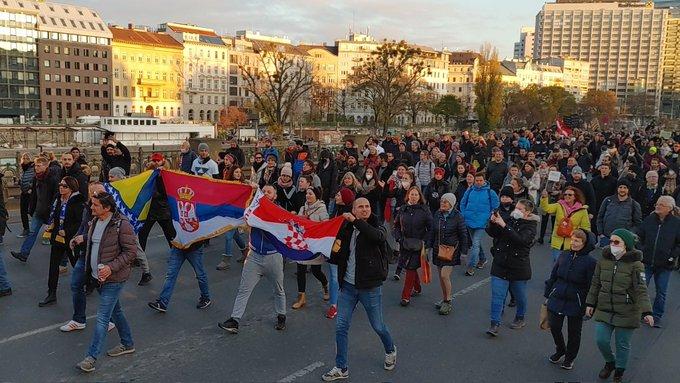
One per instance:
(353, 20)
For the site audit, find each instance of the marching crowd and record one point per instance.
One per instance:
(438, 198)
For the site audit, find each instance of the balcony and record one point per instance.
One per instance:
(150, 82)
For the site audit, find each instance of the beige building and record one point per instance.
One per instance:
(462, 75)
(670, 93)
(623, 42)
(524, 48)
(572, 75)
(147, 73)
(241, 55)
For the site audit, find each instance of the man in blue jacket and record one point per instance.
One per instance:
(263, 261)
(477, 204)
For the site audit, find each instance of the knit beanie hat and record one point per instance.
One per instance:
(576, 170)
(203, 146)
(623, 182)
(347, 196)
(450, 198)
(287, 170)
(507, 191)
(628, 238)
(117, 173)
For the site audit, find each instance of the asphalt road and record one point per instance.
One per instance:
(185, 344)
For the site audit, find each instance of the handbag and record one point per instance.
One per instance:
(565, 227)
(410, 244)
(425, 268)
(543, 323)
(445, 252)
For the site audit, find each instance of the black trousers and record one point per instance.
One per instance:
(57, 255)
(574, 334)
(24, 199)
(166, 225)
(302, 276)
(544, 224)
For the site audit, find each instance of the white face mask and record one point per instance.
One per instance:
(369, 177)
(405, 184)
(516, 214)
(617, 250)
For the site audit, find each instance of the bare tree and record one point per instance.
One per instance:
(418, 100)
(384, 79)
(278, 83)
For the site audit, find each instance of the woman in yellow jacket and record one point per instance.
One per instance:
(572, 205)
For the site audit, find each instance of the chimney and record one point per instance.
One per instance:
(131, 26)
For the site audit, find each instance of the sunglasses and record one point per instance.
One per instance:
(615, 242)
(63, 185)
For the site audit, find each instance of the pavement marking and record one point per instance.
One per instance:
(302, 372)
(37, 331)
(472, 287)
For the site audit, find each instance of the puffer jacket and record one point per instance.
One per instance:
(412, 221)
(616, 214)
(448, 229)
(567, 287)
(618, 290)
(477, 204)
(27, 177)
(511, 247)
(579, 220)
(660, 241)
(424, 171)
(117, 249)
(314, 212)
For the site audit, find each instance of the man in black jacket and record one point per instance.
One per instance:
(361, 272)
(72, 168)
(578, 181)
(114, 154)
(44, 193)
(603, 185)
(496, 170)
(660, 243)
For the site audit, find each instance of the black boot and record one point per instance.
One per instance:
(606, 370)
(618, 375)
(50, 299)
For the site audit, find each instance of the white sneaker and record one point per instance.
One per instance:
(111, 326)
(72, 326)
(334, 374)
(391, 360)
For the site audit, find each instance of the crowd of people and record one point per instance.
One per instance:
(438, 198)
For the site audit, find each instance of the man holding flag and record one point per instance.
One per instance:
(266, 261)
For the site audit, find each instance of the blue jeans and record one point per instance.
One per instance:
(229, 238)
(499, 291)
(109, 310)
(175, 262)
(603, 337)
(476, 251)
(331, 205)
(78, 279)
(371, 299)
(333, 283)
(27, 245)
(555, 254)
(661, 279)
(4, 281)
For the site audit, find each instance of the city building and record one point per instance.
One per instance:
(462, 75)
(74, 52)
(352, 51)
(148, 72)
(326, 94)
(205, 73)
(670, 91)
(524, 48)
(622, 41)
(572, 75)
(241, 56)
(19, 76)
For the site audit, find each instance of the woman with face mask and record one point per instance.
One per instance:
(618, 300)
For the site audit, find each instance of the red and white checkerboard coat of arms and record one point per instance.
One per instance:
(295, 238)
(188, 220)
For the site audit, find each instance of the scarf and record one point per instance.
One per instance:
(368, 186)
(569, 210)
(62, 217)
(670, 185)
(267, 175)
(204, 160)
(308, 210)
(285, 185)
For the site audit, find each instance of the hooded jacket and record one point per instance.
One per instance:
(569, 282)
(618, 290)
(616, 214)
(76, 172)
(412, 221)
(511, 247)
(477, 204)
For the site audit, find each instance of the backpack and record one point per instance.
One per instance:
(565, 227)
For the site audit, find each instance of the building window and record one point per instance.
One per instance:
(48, 77)
(46, 63)
(48, 92)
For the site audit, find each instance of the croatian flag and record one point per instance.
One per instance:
(295, 237)
(203, 208)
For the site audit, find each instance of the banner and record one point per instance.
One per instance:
(295, 237)
(563, 129)
(202, 208)
(133, 196)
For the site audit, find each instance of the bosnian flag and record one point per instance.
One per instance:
(202, 208)
(295, 237)
(563, 129)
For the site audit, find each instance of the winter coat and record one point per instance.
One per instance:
(76, 172)
(159, 208)
(618, 290)
(314, 212)
(435, 191)
(567, 287)
(123, 161)
(44, 193)
(238, 155)
(660, 241)
(603, 187)
(460, 192)
(533, 184)
(415, 222)
(186, 160)
(368, 271)
(27, 177)
(648, 197)
(448, 228)
(118, 248)
(511, 247)
(477, 204)
(495, 174)
(328, 176)
(579, 220)
(424, 172)
(72, 219)
(616, 214)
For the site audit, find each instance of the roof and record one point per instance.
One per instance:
(467, 57)
(331, 49)
(28, 6)
(286, 48)
(508, 68)
(135, 36)
(66, 18)
(183, 28)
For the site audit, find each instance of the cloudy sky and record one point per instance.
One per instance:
(455, 24)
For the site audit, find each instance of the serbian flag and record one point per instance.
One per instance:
(133, 196)
(295, 237)
(202, 208)
(563, 129)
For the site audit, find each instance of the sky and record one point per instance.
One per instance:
(454, 24)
